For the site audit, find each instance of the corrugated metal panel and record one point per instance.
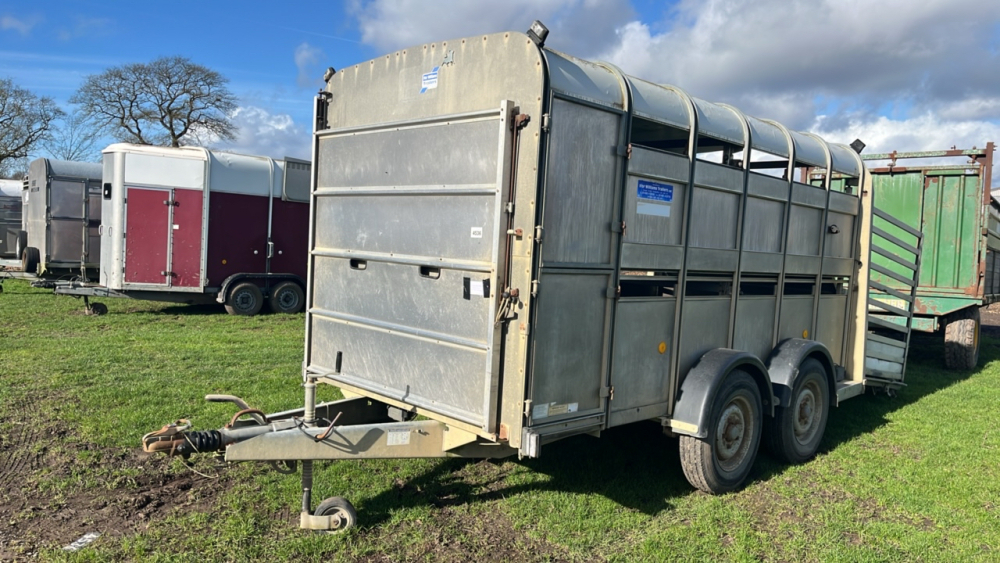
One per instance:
(767, 137)
(808, 149)
(719, 122)
(660, 103)
(584, 79)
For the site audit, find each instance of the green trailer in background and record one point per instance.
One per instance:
(945, 194)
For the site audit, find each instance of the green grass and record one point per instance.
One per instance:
(910, 478)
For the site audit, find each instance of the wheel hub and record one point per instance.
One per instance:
(731, 432)
(807, 411)
(288, 299)
(244, 300)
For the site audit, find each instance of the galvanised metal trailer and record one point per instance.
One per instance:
(10, 218)
(946, 195)
(61, 217)
(519, 246)
(190, 225)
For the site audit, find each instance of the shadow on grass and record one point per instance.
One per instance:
(639, 468)
(192, 310)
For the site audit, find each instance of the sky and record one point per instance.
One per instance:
(904, 75)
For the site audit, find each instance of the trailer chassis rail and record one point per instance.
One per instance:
(354, 428)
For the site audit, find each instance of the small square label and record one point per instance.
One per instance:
(477, 232)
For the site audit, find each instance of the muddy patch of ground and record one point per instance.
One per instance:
(460, 535)
(54, 488)
(990, 319)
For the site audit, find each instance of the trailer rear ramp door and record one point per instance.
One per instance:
(894, 265)
(405, 246)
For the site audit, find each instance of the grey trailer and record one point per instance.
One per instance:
(10, 219)
(61, 219)
(510, 245)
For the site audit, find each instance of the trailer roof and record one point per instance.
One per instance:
(197, 153)
(11, 188)
(69, 168)
(605, 84)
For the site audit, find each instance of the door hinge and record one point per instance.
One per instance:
(614, 292)
(165, 273)
(618, 227)
(546, 122)
(527, 407)
(538, 233)
(509, 208)
(534, 288)
(169, 202)
(624, 150)
(608, 393)
(270, 249)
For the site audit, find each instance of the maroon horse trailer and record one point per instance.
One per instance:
(191, 225)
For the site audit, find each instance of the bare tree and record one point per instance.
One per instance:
(26, 120)
(159, 103)
(75, 139)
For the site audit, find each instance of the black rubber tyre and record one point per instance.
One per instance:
(795, 432)
(21, 243)
(721, 462)
(97, 309)
(961, 339)
(30, 260)
(245, 299)
(338, 506)
(286, 297)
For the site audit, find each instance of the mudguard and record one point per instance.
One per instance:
(783, 367)
(694, 402)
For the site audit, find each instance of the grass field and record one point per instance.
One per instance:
(910, 478)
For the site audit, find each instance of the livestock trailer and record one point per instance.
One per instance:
(61, 217)
(517, 246)
(191, 225)
(10, 219)
(946, 195)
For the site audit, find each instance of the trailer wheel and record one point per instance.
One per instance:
(961, 339)
(21, 243)
(796, 430)
(245, 299)
(721, 462)
(29, 260)
(286, 297)
(343, 511)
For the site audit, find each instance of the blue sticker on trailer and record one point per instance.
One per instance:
(429, 80)
(654, 198)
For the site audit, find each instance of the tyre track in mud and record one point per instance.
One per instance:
(20, 438)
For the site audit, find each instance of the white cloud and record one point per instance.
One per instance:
(922, 133)
(84, 27)
(900, 75)
(262, 133)
(22, 26)
(307, 58)
(574, 24)
(864, 54)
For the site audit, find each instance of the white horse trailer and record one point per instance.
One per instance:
(519, 246)
(191, 225)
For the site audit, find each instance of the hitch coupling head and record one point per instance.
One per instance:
(174, 439)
